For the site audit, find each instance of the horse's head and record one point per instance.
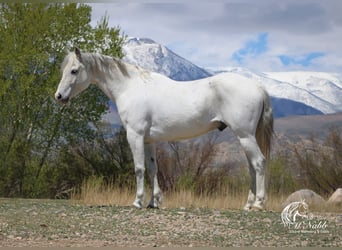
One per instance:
(75, 77)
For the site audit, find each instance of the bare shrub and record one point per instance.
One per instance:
(192, 166)
(321, 164)
(280, 179)
(181, 164)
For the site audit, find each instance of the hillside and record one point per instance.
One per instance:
(305, 126)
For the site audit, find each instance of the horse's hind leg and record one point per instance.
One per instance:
(252, 187)
(151, 162)
(257, 163)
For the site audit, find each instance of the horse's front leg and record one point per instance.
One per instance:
(136, 142)
(151, 160)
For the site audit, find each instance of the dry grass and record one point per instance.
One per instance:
(188, 199)
(95, 192)
(222, 201)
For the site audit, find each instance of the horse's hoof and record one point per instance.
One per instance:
(256, 207)
(247, 207)
(152, 206)
(137, 204)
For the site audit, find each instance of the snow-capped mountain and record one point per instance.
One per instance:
(326, 86)
(319, 90)
(152, 56)
(293, 93)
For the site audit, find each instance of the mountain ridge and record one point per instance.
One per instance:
(148, 54)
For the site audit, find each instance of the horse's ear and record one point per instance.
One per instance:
(78, 53)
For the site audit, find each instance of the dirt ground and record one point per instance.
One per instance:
(42, 223)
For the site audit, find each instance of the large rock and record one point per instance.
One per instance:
(310, 197)
(336, 198)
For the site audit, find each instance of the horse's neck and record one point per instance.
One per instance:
(110, 75)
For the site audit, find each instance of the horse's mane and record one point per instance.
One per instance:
(100, 62)
(65, 61)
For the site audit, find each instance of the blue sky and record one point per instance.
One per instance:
(305, 60)
(252, 48)
(258, 47)
(261, 35)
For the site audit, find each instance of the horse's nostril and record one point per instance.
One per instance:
(61, 99)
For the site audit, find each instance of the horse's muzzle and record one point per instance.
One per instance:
(60, 98)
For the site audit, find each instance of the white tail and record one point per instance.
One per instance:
(264, 130)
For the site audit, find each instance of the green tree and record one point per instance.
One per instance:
(33, 43)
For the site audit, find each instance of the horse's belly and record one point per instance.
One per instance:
(179, 132)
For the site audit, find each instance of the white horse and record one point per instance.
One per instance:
(155, 108)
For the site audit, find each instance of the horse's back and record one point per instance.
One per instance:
(236, 83)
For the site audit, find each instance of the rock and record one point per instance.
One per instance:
(309, 196)
(336, 198)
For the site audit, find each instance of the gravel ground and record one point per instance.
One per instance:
(61, 223)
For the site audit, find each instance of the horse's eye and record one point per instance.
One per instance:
(74, 72)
